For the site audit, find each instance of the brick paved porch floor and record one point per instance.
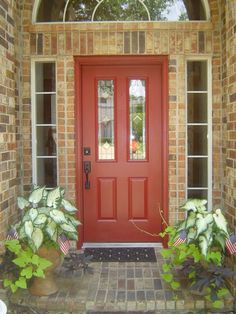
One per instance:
(114, 288)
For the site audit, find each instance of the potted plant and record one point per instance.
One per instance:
(196, 251)
(46, 225)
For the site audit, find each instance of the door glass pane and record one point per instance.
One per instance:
(137, 120)
(197, 140)
(197, 75)
(197, 172)
(47, 172)
(106, 134)
(46, 109)
(46, 141)
(197, 108)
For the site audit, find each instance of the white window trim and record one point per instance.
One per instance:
(209, 123)
(33, 117)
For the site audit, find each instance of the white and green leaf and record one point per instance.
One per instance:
(36, 196)
(208, 234)
(51, 230)
(220, 238)
(73, 220)
(44, 210)
(220, 221)
(58, 216)
(180, 226)
(37, 238)
(41, 219)
(68, 227)
(203, 245)
(33, 213)
(202, 223)
(22, 202)
(22, 233)
(191, 220)
(28, 226)
(68, 206)
(191, 235)
(54, 197)
(72, 236)
(194, 204)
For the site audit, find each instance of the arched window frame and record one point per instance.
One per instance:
(37, 4)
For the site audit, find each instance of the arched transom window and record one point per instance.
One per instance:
(119, 10)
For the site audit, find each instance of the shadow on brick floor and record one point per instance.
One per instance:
(116, 287)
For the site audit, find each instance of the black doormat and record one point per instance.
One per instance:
(121, 254)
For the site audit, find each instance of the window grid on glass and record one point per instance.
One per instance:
(44, 125)
(198, 130)
(119, 10)
(137, 119)
(106, 120)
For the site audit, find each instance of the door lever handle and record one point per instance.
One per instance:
(87, 170)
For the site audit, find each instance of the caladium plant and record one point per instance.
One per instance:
(46, 216)
(196, 251)
(206, 229)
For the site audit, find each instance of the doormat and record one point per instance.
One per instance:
(121, 254)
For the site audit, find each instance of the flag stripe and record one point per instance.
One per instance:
(64, 243)
(231, 247)
(179, 241)
(12, 234)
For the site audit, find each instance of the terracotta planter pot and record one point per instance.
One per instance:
(47, 285)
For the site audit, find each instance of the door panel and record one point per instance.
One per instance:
(122, 125)
(107, 198)
(138, 196)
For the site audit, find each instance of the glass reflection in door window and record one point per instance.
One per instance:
(137, 119)
(105, 109)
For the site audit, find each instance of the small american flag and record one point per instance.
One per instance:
(12, 234)
(64, 243)
(181, 239)
(230, 244)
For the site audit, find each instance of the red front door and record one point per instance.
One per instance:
(122, 147)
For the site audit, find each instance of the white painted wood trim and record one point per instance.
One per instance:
(33, 117)
(209, 123)
(33, 123)
(206, 6)
(35, 10)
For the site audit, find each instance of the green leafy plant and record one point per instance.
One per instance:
(21, 264)
(46, 217)
(196, 251)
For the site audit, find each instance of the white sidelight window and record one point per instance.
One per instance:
(44, 127)
(199, 130)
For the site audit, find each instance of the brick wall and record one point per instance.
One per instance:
(9, 92)
(178, 40)
(60, 43)
(229, 114)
